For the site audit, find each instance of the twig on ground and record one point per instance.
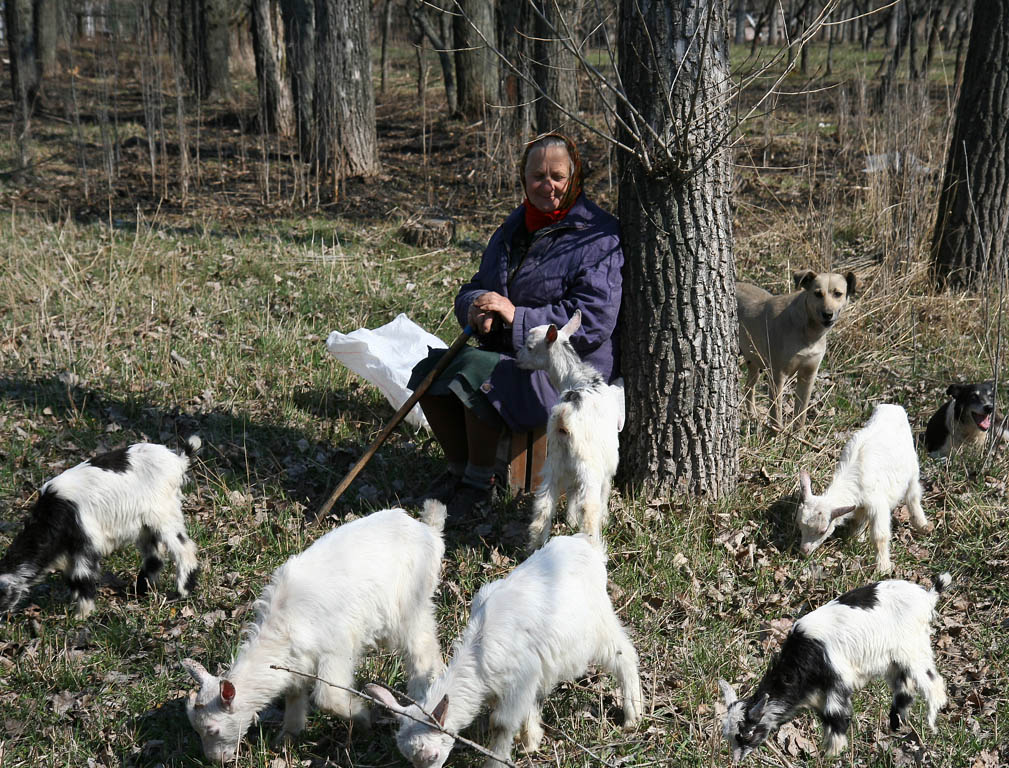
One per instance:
(430, 721)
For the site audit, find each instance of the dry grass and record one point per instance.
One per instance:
(146, 323)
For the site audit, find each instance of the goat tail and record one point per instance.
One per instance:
(192, 445)
(434, 513)
(941, 582)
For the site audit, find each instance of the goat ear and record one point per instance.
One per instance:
(227, 693)
(842, 511)
(805, 484)
(851, 281)
(438, 714)
(551, 334)
(198, 672)
(804, 278)
(757, 710)
(728, 693)
(573, 324)
(384, 696)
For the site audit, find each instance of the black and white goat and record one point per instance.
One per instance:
(878, 631)
(131, 495)
(365, 583)
(582, 444)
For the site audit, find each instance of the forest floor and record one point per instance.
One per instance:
(142, 302)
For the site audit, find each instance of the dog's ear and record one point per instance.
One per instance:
(849, 278)
(954, 390)
(804, 278)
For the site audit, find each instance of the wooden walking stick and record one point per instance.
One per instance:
(411, 401)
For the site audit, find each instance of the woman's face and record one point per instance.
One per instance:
(547, 175)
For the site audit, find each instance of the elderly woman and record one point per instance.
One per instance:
(555, 253)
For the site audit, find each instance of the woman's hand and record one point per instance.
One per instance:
(488, 306)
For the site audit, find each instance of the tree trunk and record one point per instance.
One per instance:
(214, 41)
(515, 33)
(386, 31)
(346, 143)
(678, 339)
(970, 246)
(476, 68)
(740, 22)
(275, 103)
(47, 30)
(25, 67)
(299, 36)
(418, 15)
(554, 67)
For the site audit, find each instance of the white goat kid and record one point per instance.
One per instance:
(544, 623)
(878, 631)
(367, 582)
(877, 471)
(128, 496)
(582, 444)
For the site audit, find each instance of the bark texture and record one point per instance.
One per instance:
(346, 143)
(299, 36)
(678, 342)
(971, 241)
(215, 38)
(515, 33)
(25, 67)
(275, 103)
(418, 12)
(554, 66)
(476, 67)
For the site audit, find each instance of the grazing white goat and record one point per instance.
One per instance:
(546, 622)
(131, 495)
(582, 445)
(877, 471)
(878, 631)
(367, 582)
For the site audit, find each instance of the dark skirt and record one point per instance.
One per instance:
(470, 368)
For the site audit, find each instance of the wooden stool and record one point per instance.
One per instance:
(522, 455)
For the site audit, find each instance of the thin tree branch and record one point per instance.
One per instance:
(430, 721)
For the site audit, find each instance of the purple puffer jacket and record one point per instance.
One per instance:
(572, 264)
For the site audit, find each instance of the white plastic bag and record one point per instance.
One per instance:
(385, 357)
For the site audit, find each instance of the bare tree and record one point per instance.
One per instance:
(299, 37)
(678, 343)
(204, 36)
(275, 103)
(476, 66)
(344, 142)
(971, 240)
(418, 12)
(25, 62)
(555, 67)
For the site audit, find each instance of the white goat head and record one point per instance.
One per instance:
(747, 724)
(213, 714)
(420, 738)
(816, 519)
(535, 354)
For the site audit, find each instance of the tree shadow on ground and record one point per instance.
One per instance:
(239, 450)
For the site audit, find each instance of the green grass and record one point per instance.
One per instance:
(92, 314)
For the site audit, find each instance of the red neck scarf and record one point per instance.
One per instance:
(537, 219)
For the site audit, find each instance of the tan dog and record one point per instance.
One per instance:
(788, 334)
